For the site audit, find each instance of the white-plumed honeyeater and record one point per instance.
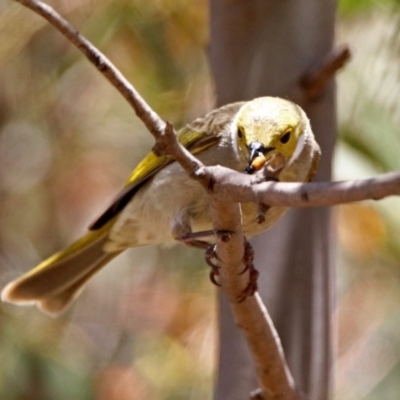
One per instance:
(160, 203)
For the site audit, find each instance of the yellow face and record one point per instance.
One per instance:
(268, 126)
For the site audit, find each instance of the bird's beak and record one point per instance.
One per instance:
(257, 157)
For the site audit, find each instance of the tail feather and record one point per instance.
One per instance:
(57, 281)
(59, 302)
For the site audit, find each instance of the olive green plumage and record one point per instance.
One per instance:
(160, 203)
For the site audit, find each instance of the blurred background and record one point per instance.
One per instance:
(145, 327)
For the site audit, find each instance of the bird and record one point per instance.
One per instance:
(160, 203)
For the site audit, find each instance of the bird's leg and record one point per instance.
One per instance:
(182, 231)
(192, 239)
(224, 235)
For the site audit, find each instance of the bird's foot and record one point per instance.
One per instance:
(210, 256)
(248, 260)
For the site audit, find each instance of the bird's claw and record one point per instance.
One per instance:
(252, 286)
(210, 256)
(248, 259)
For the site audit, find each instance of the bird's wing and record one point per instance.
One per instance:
(195, 141)
(197, 136)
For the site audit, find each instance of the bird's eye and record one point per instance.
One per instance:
(240, 133)
(285, 138)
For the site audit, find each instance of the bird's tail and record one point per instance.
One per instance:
(57, 281)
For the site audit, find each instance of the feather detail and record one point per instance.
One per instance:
(55, 282)
(194, 137)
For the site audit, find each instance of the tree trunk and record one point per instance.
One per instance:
(260, 48)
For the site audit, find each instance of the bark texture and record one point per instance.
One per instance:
(259, 48)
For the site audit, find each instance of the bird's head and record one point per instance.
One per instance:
(268, 126)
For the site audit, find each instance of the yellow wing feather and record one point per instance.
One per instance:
(193, 140)
(151, 163)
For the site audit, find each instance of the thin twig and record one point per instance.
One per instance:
(314, 81)
(244, 188)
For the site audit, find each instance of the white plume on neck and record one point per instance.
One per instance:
(300, 144)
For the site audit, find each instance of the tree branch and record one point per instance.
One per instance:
(313, 82)
(246, 188)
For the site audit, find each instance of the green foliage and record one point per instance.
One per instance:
(357, 7)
